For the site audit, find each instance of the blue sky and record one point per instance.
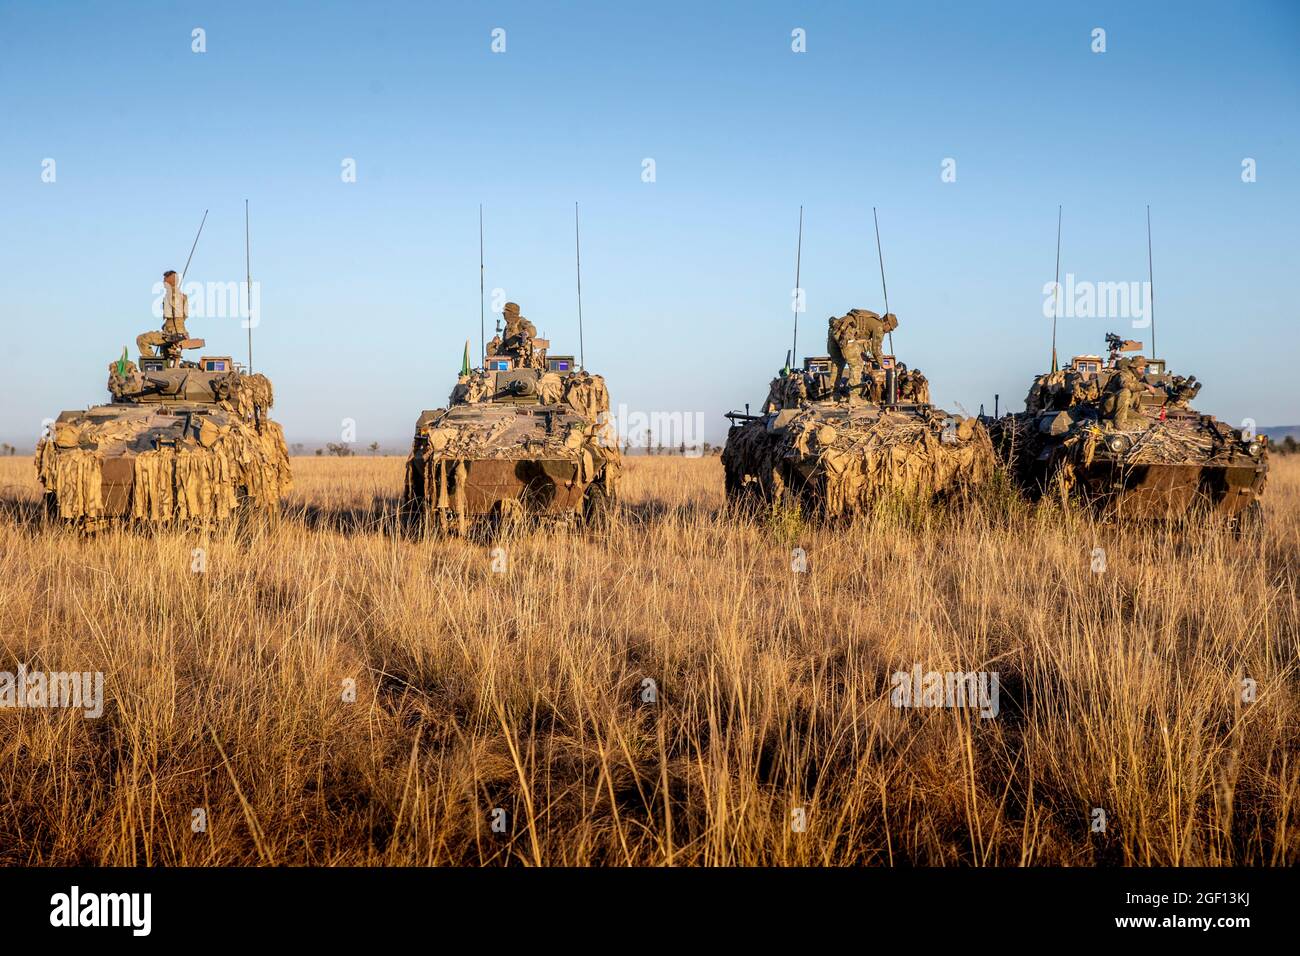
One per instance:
(369, 289)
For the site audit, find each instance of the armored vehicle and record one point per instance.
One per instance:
(838, 448)
(525, 437)
(179, 441)
(1119, 432)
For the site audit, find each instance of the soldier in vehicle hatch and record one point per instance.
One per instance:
(872, 329)
(175, 309)
(844, 347)
(519, 335)
(1122, 399)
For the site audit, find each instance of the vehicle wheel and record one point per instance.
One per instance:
(1249, 522)
(598, 505)
(506, 519)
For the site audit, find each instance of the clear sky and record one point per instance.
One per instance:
(370, 288)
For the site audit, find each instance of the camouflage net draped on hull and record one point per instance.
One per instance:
(565, 428)
(103, 463)
(446, 470)
(1151, 443)
(848, 465)
(1069, 448)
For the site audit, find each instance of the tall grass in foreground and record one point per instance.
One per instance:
(523, 690)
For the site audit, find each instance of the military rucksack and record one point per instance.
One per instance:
(845, 327)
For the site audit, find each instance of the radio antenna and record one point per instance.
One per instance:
(1151, 284)
(1056, 287)
(883, 288)
(577, 248)
(248, 285)
(186, 270)
(482, 328)
(798, 292)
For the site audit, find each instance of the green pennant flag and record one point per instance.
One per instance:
(464, 362)
(121, 363)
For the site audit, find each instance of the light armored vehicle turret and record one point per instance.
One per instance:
(839, 448)
(1120, 433)
(179, 441)
(526, 436)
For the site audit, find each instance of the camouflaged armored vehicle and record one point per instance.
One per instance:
(179, 441)
(525, 437)
(1120, 433)
(838, 449)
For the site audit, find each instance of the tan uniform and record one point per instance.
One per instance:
(872, 329)
(1122, 400)
(175, 309)
(519, 335)
(844, 348)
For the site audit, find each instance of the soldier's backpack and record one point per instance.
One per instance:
(844, 328)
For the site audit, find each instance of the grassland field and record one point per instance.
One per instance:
(334, 691)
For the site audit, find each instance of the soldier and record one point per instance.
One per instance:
(844, 347)
(872, 329)
(1123, 394)
(517, 327)
(519, 337)
(176, 309)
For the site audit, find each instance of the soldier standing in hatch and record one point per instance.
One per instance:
(519, 335)
(517, 327)
(844, 348)
(871, 329)
(175, 309)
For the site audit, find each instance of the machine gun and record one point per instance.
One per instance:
(174, 346)
(1115, 345)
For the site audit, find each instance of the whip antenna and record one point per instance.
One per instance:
(883, 288)
(577, 248)
(482, 328)
(248, 287)
(192, 248)
(1151, 284)
(1056, 288)
(798, 292)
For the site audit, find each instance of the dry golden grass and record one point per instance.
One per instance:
(478, 690)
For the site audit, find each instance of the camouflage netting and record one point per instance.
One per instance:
(189, 460)
(1067, 409)
(1124, 433)
(523, 435)
(1200, 439)
(586, 394)
(575, 405)
(845, 464)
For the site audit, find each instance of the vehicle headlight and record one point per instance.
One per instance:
(1118, 444)
(1253, 449)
